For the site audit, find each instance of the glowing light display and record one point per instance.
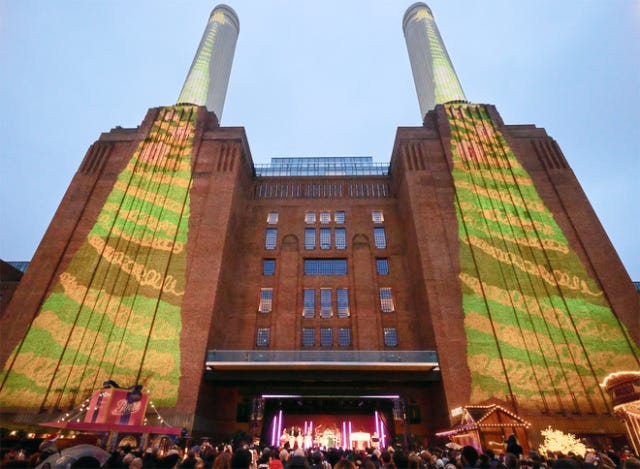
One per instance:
(539, 328)
(114, 313)
(433, 73)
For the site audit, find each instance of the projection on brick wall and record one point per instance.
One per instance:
(538, 328)
(114, 313)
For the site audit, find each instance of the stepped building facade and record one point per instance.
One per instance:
(335, 296)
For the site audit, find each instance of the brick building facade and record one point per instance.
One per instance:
(471, 269)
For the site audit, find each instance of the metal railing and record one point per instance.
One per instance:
(426, 358)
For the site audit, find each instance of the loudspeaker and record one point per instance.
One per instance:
(242, 412)
(413, 414)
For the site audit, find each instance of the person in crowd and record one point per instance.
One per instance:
(468, 457)
(513, 447)
(242, 459)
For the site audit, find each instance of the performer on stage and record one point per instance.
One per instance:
(308, 440)
(284, 439)
(375, 440)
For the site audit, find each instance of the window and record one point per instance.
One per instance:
(310, 218)
(338, 217)
(377, 217)
(325, 217)
(268, 266)
(325, 266)
(272, 218)
(341, 238)
(379, 237)
(266, 300)
(326, 308)
(271, 238)
(309, 303)
(343, 302)
(325, 238)
(308, 337)
(390, 337)
(344, 337)
(309, 238)
(326, 337)
(262, 339)
(382, 266)
(386, 300)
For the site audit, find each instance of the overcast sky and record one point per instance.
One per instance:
(321, 78)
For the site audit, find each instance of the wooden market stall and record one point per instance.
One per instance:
(487, 427)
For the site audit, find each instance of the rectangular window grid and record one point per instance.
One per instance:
(325, 238)
(310, 218)
(325, 217)
(308, 337)
(382, 266)
(326, 337)
(271, 238)
(390, 337)
(309, 303)
(272, 218)
(326, 307)
(377, 217)
(344, 337)
(266, 300)
(325, 266)
(309, 238)
(380, 237)
(341, 238)
(268, 266)
(338, 217)
(342, 295)
(262, 339)
(386, 300)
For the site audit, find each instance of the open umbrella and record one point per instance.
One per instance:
(68, 456)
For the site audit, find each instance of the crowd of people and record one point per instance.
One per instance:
(244, 456)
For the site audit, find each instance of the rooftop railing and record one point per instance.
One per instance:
(349, 166)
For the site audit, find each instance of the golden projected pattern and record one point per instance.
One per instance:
(115, 311)
(538, 328)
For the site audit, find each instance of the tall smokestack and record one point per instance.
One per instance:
(208, 78)
(436, 80)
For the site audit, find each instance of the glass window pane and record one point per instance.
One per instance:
(271, 238)
(390, 337)
(268, 266)
(326, 307)
(326, 337)
(262, 339)
(341, 238)
(309, 303)
(266, 300)
(386, 300)
(310, 218)
(344, 337)
(377, 217)
(342, 295)
(272, 218)
(325, 266)
(380, 238)
(338, 217)
(325, 238)
(309, 238)
(382, 266)
(308, 337)
(325, 217)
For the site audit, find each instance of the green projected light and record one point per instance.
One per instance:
(435, 79)
(538, 327)
(114, 313)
